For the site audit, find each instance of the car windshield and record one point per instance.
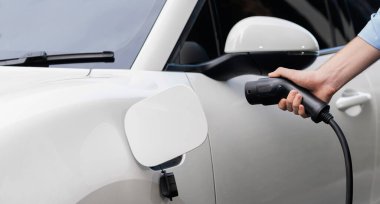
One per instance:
(75, 26)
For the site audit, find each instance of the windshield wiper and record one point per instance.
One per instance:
(41, 59)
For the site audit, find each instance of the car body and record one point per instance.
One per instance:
(63, 137)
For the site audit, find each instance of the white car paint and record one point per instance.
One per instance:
(63, 140)
(351, 102)
(62, 137)
(164, 35)
(13, 79)
(165, 126)
(269, 34)
(265, 155)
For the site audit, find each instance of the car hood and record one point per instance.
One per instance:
(13, 79)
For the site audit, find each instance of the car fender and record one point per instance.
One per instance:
(63, 140)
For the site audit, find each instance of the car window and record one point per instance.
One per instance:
(72, 26)
(341, 23)
(203, 34)
(309, 14)
(313, 15)
(361, 12)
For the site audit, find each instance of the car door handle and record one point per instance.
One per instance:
(351, 98)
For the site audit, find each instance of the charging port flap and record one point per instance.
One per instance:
(165, 126)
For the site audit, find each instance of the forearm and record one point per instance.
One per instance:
(324, 82)
(354, 58)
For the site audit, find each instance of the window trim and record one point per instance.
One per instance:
(185, 32)
(215, 20)
(163, 37)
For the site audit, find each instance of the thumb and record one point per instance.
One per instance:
(283, 72)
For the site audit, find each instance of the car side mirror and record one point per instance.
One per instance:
(273, 42)
(163, 127)
(259, 45)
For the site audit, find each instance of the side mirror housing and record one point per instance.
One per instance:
(268, 34)
(259, 45)
(273, 42)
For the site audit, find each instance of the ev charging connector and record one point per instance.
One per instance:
(269, 91)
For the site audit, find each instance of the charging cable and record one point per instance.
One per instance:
(269, 91)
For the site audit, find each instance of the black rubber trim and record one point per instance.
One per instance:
(169, 164)
(42, 59)
(186, 31)
(235, 64)
(216, 25)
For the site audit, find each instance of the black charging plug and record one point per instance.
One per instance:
(269, 91)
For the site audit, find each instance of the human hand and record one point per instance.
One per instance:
(314, 81)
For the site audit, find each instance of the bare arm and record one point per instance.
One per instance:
(354, 58)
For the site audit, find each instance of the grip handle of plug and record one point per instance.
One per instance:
(269, 91)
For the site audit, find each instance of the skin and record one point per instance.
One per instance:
(324, 82)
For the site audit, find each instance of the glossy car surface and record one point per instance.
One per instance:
(62, 131)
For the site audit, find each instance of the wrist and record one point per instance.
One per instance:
(327, 83)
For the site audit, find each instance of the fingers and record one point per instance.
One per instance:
(290, 99)
(293, 104)
(277, 73)
(302, 112)
(301, 78)
(296, 103)
(298, 108)
(283, 72)
(282, 104)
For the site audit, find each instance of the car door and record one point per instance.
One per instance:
(360, 14)
(263, 155)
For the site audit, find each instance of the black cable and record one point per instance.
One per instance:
(269, 91)
(328, 118)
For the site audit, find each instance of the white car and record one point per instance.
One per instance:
(99, 132)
